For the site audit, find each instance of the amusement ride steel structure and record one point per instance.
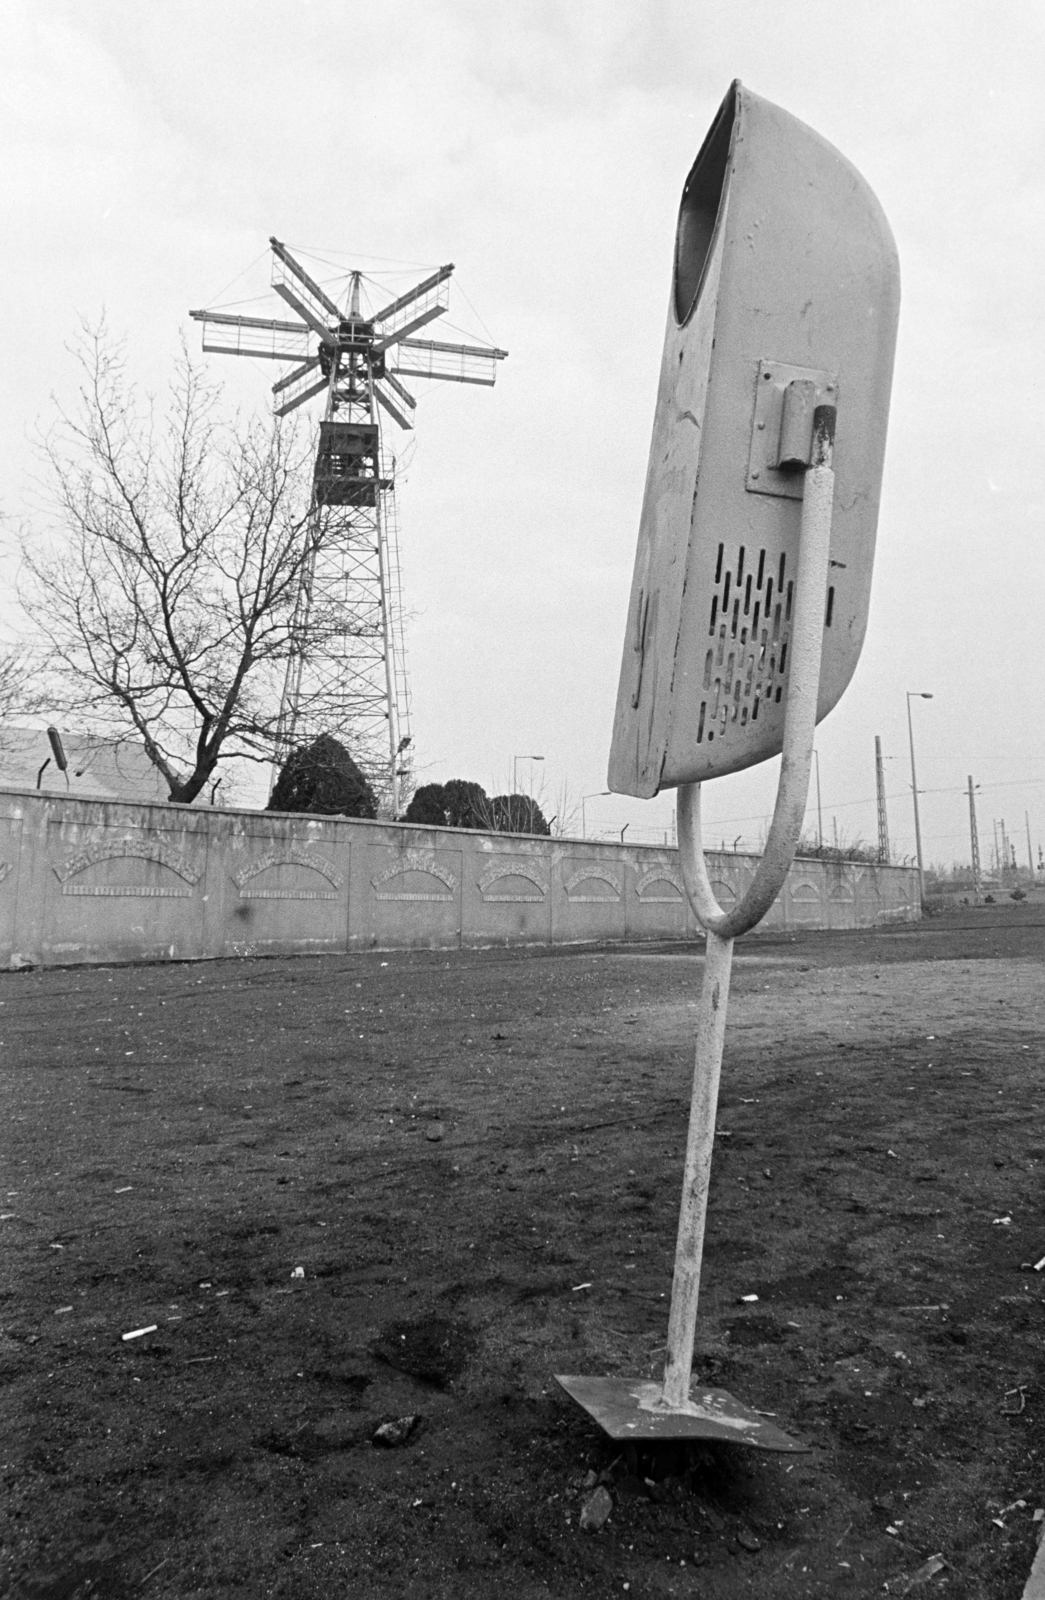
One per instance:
(347, 675)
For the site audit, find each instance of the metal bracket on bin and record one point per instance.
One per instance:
(785, 400)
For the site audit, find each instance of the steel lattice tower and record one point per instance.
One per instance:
(974, 841)
(348, 677)
(883, 818)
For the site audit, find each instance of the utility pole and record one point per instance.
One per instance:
(916, 694)
(974, 841)
(883, 820)
(1030, 852)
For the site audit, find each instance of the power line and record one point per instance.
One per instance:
(474, 312)
(239, 275)
(870, 800)
(340, 256)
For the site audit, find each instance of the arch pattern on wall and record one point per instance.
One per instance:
(865, 882)
(666, 878)
(288, 858)
(584, 875)
(128, 850)
(505, 875)
(415, 861)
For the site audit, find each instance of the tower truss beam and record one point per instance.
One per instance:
(285, 264)
(454, 363)
(393, 318)
(390, 406)
(252, 336)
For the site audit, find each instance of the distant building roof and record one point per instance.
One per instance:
(104, 768)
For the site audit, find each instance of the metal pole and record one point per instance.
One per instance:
(1030, 852)
(593, 794)
(917, 694)
(689, 1251)
(722, 927)
(974, 842)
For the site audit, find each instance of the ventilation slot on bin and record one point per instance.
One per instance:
(759, 674)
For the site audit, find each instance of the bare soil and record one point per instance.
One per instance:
(475, 1158)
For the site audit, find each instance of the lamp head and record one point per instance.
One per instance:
(785, 296)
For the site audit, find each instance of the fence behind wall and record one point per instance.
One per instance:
(95, 880)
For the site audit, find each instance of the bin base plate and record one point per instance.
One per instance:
(632, 1408)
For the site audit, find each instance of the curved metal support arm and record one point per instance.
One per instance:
(803, 686)
(722, 927)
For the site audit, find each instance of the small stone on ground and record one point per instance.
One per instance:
(390, 1434)
(596, 1511)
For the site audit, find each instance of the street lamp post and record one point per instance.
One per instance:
(916, 694)
(515, 771)
(595, 794)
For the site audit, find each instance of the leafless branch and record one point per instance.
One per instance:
(163, 585)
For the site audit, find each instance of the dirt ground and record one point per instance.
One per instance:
(475, 1158)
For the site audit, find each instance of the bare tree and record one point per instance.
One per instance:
(20, 693)
(164, 594)
(565, 820)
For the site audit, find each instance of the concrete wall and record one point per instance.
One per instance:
(97, 880)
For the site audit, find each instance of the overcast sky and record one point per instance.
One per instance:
(541, 145)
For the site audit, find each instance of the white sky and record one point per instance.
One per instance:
(150, 150)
